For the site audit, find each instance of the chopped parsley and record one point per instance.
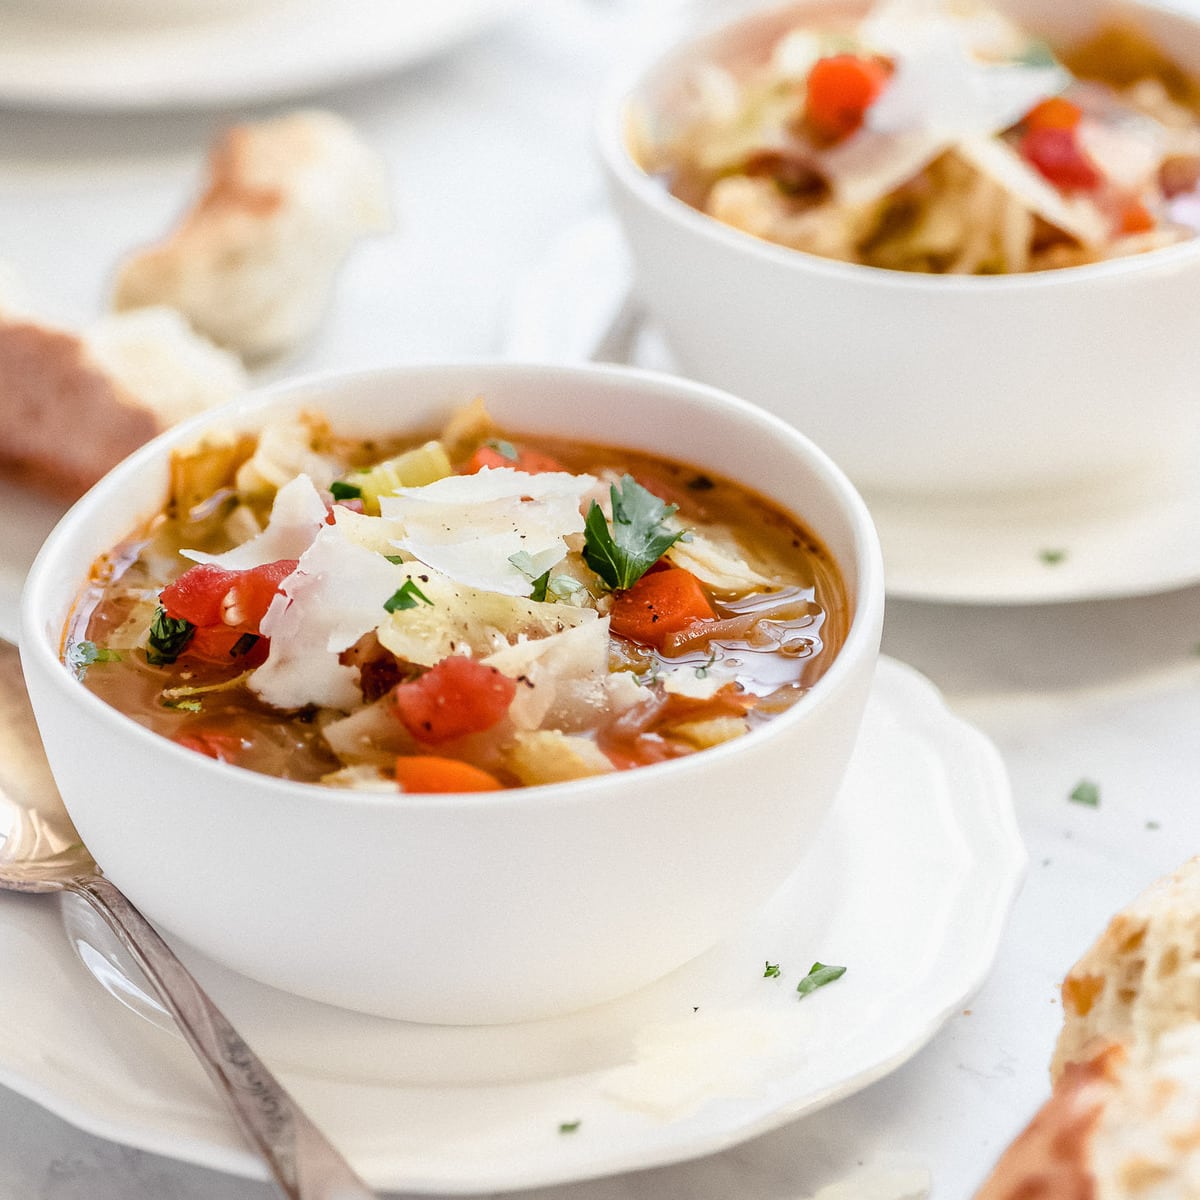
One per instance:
(818, 976)
(168, 638)
(502, 448)
(81, 655)
(622, 551)
(770, 970)
(193, 706)
(339, 489)
(569, 1126)
(1086, 792)
(1052, 557)
(524, 563)
(398, 559)
(406, 597)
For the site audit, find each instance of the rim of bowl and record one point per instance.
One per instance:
(609, 130)
(866, 613)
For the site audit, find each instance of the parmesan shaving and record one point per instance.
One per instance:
(469, 527)
(296, 516)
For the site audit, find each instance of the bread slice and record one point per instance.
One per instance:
(252, 265)
(73, 405)
(1122, 1125)
(1141, 978)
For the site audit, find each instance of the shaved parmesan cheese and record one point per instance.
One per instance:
(865, 168)
(696, 683)
(469, 527)
(553, 669)
(335, 595)
(1075, 215)
(713, 561)
(296, 516)
(465, 620)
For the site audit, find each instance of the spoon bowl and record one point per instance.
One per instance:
(41, 851)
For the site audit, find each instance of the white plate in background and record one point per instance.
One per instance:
(250, 52)
(909, 887)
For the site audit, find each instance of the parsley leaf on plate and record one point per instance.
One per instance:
(623, 550)
(818, 976)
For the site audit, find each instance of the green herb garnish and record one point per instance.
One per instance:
(818, 976)
(569, 1126)
(524, 563)
(770, 970)
(1086, 792)
(1052, 557)
(339, 489)
(406, 597)
(193, 706)
(502, 448)
(622, 551)
(168, 638)
(395, 558)
(81, 655)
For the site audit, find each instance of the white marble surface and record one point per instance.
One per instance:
(490, 157)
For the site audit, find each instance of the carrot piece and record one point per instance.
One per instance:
(1053, 113)
(429, 773)
(533, 462)
(455, 697)
(659, 604)
(839, 91)
(1058, 156)
(1135, 217)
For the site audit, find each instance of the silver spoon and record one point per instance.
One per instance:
(40, 851)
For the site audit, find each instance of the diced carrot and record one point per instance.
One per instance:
(455, 697)
(839, 91)
(428, 773)
(1053, 113)
(533, 462)
(1058, 156)
(660, 603)
(1135, 218)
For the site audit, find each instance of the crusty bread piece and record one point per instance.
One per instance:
(1141, 978)
(253, 263)
(72, 406)
(1123, 1125)
(1123, 1121)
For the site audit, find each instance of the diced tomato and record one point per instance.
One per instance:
(1135, 217)
(1057, 155)
(662, 602)
(839, 91)
(1053, 113)
(455, 697)
(428, 773)
(224, 747)
(533, 462)
(210, 595)
(222, 645)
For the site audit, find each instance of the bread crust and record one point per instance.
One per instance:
(63, 421)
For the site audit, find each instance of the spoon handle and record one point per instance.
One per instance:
(304, 1163)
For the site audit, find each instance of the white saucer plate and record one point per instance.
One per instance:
(908, 888)
(255, 51)
(1126, 538)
